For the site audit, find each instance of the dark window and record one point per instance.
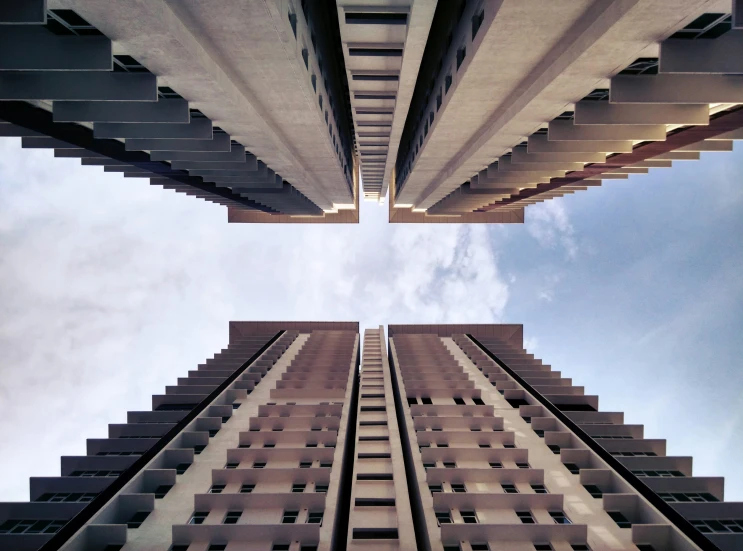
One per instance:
(459, 401)
(280, 547)
(412, 400)
(580, 547)
(374, 476)
(479, 547)
(235, 405)
(429, 465)
(425, 400)
(554, 449)
(231, 465)
(298, 488)
(198, 518)
(525, 517)
(443, 517)
(458, 488)
(509, 446)
(539, 489)
(374, 502)
(539, 433)
(247, 488)
(271, 445)
(314, 517)
(161, 490)
(289, 517)
(477, 20)
(510, 488)
(375, 533)
(522, 465)
(232, 517)
(542, 547)
(326, 464)
(371, 18)
(321, 488)
(137, 519)
(484, 445)
(478, 401)
(182, 467)
(217, 489)
(594, 490)
(496, 465)
(560, 517)
(450, 465)
(259, 464)
(572, 467)
(620, 519)
(469, 517)
(435, 488)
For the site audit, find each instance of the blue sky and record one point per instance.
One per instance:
(112, 288)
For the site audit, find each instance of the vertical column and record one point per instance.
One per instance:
(380, 515)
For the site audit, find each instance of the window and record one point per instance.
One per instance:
(496, 465)
(447, 83)
(182, 467)
(67, 498)
(247, 488)
(509, 446)
(477, 20)
(314, 517)
(718, 526)
(443, 517)
(217, 489)
(539, 489)
(620, 519)
(525, 517)
(232, 517)
(326, 464)
(644, 547)
(435, 488)
(554, 449)
(231, 465)
(542, 547)
(560, 517)
(271, 445)
(161, 490)
(522, 465)
(475, 429)
(469, 517)
(198, 518)
(681, 497)
(298, 488)
(258, 465)
(573, 468)
(458, 488)
(539, 433)
(289, 517)
(305, 464)
(213, 432)
(179, 548)
(479, 547)
(450, 465)
(235, 405)
(442, 445)
(594, 490)
(484, 445)
(436, 429)
(321, 488)
(509, 489)
(527, 419)
(425, 400)
(280, 547)
(478, 401)
(454, 547)
(664, 474)
(311, 445)
(217, 547)
(412, 401)
(198, 449)
(459, 400)
(429, 465)
(137, 519)
(580, 547)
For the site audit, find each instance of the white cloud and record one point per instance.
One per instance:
(110, 289)
(548, 223)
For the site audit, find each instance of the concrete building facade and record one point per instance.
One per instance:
(289, 111)
(444, 437)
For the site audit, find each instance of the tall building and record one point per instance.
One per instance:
(290, 110)
(446, 438)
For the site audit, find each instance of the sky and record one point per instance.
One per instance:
(111, 288)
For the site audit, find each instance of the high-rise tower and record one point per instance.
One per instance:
(451, 438)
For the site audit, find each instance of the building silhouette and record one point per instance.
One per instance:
(440, 437)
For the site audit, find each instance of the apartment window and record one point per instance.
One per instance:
(454, 547)
(475, 429)
(496, 465)
(247, 488)
(594, 490)
(232, 517)
(314, 517)
(469, 517)
(182, 467)
(459, 400)
(321, 488)
(231, 465)
(198, 518)
(443, 517)
(527, 419)
(554, 449)
(525, 517)
(581, 547)
(270, 445)
(681, 497)
(620, 519)
(477, 21)
(289, 517)
(442, 445)
(458, 488)
(484, 445)
(509, 489)
(542, 547)
(509, 446)
(311, 444)
(67, 498)
(217, 489)
(277, 429)
(478, 401)
(161, 490)
(308, 548)
(479, 547)
(429, 465)
(539, 433)
(235, 405)
(718, 526)
(522, 465)
(412, 401)
(573, 468)
(179, 548)
(305, 464)
(326, 464)
(425, 400)
(560, 517)
(435, 488)
(421, 446)
(447, 83)
(450, 465)
(280, 547)
(663, 474)
(137, 519)
(259, 464)
(217, 547)
(436, 429)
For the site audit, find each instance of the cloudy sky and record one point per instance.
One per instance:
(111, 289)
